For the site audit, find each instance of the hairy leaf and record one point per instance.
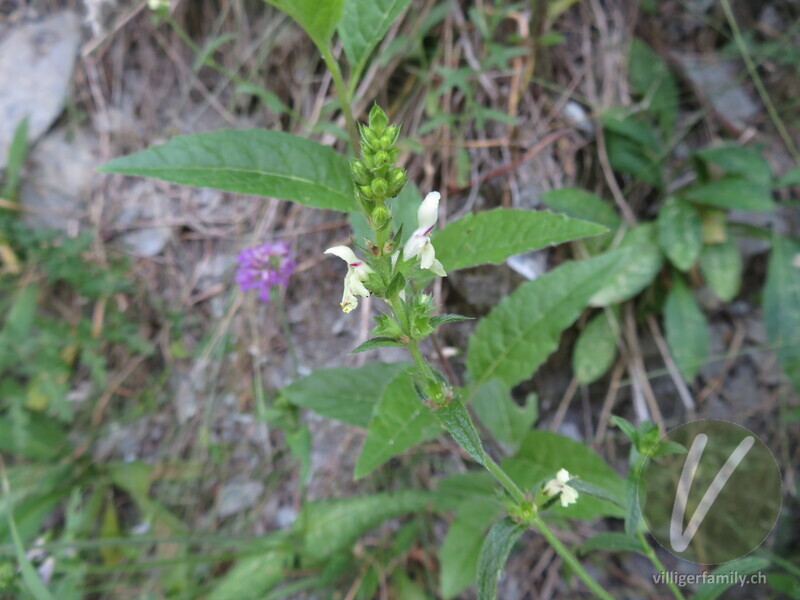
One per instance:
(319, 19)
(363, 25)
(494, 235)
(524, 328)
(249, 161)
(739, 160)
(331, 525)
(344, 393)
(611, 540)
(399, 421)
(455, 418)
(494, 553)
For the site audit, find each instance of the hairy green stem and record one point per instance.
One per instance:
(505, 480)
(569, 557)
(651, 554)
(344, 95)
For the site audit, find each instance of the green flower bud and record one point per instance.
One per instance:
(380, 216)
(382, 158)
(360, 172)
(379, 187)
(397, 177)
(378, 119)
(365, 190)
(385, 142)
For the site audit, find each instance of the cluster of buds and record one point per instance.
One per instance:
(375, 176)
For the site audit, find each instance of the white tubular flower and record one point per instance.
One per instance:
(419, 244)
(569, 495)
(357, 273)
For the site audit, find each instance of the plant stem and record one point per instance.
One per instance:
(505, 480)
(287, 330)
(762, 91)
(343, 93)
(569, 558)
(651, 554)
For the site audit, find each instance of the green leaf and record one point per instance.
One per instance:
(249, 161)
(33, 435)
(332, 525)
(611, 540)
(252, 577)
(650, 77)
(638, 260)
(782, 305)
(721, 266)
(543, 453)
(580, 204)
(598, 491)
(508, 422)
(376, 342)
(595, 349)
(748, 163)
(399, 422)
(458, 554)
(494, 235)
(494, 554)
(17, 152)
(363, 25)
(319, 19)
(449, 318)
(454, 417)
(686, 329)
(344, 393)
(789, 179)
(627, 428)
(680, 232)
(633, 502)
(523, 329)
(737, 568)
(732, 193)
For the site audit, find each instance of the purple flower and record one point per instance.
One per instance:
(264, 266)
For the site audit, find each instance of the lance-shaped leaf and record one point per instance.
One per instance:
(363, 25)
(399, 421)
(454, 417)
(494, 553)
(344, 393)
(782, 305)
(318, 18)
(250, 161)
(721, 265)
(494, 235)
(595, 349)
(521, 332)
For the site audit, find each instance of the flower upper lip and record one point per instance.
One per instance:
(419, 244)
(357, 273)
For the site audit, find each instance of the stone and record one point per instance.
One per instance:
(36, 62)
(235, 497)
(56, 188)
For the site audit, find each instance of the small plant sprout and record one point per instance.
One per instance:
(262, 267)
(558, 487)
(357, 273)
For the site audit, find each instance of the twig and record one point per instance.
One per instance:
(558, 418)
(610, 399)
(666, 355)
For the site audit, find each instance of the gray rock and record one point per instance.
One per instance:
(36, 61)
(148, 241)
(55, 191)
(718, 81)
(234, 497)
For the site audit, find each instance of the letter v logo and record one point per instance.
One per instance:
(678, 537)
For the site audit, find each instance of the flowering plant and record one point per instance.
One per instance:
(401, 405)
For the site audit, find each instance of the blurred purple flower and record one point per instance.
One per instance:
(264, 266)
